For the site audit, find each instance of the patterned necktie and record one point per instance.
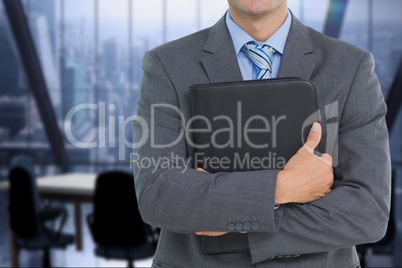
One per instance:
(261, 56)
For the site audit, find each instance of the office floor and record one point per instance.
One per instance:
(71, 258)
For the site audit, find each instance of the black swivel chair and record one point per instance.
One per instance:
(29, 219)
(115, 224)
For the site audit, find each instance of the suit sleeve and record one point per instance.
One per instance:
(172, 195)
(356, 211)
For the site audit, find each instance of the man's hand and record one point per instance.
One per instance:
(306, 177)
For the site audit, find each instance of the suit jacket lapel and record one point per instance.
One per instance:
(298, 59)
(219, 59)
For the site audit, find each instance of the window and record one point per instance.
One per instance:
(91, 57)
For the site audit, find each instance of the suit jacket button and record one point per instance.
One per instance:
(239, 226)
(255, 226)
(231, 227)
(247, 226)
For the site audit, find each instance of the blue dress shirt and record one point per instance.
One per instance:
(240, 37)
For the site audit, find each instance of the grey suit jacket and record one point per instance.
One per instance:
(182, 201)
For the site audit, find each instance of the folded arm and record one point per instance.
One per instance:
(356, 211)
(176, 197)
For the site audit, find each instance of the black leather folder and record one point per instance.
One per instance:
(254, 125)
(248, 125)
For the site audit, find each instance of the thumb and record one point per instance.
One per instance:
(314, 137)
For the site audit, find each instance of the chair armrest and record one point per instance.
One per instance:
(51, 213)
(48, 214)
(151, 233)
(90, 222)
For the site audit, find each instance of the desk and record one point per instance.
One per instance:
(75, 188)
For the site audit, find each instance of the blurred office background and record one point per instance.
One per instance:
(90, 51)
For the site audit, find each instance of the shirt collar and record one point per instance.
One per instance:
(240, 37)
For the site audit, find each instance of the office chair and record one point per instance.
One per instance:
(29, 219)
(116, 224)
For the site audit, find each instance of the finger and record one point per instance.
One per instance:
(327, 159)
(216, 233)
(211, 233)
(326, 193)
(314, 137)
(200, 169)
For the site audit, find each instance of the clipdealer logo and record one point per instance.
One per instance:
(111, 128)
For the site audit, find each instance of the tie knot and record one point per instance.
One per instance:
(252, 46)
(261, 57)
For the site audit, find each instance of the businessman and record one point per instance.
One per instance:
(327, 204)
